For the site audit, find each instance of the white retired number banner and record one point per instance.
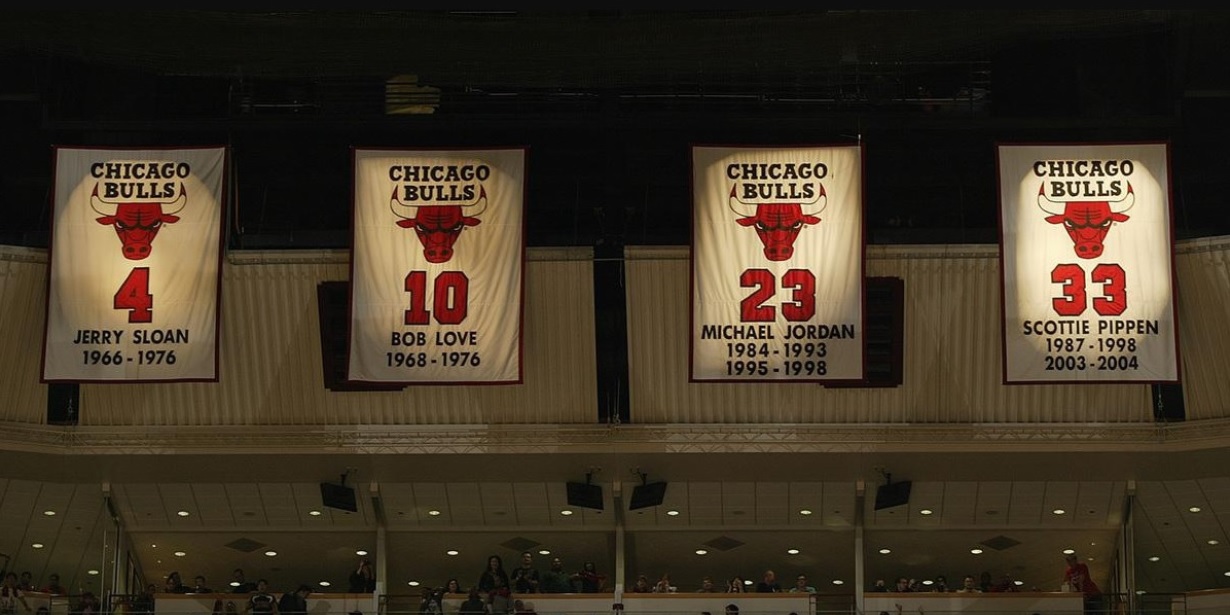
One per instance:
(436, 266)
(1086, 252)
(777, 264)
(136, 249)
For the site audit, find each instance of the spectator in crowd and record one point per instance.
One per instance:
(474, 604)
(295, 603)
(240, 585)
(363, 579)
(555, 580)
(521, 607)
(736, 585)
(969, 585)
(494, 583)
(663, 586)
(261, 601)
(88, 604)
(525, 577)
(941, 584)
(985, 581)
(768, 584)
(801, 586)
(26, 582)
(641, 586)
(1004, 584)
(1076, 576)
(53, 586)
(732, 609)
(588, 580)
(452, 586)
(879, 586)
(430, 603)
(174, 584)
(199, 587)
(143, 602)
(707, 586)
(903, 585)
(11, 595)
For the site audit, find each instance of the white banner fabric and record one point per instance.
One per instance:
(135, 266)
(1086, 249)
(436, 266)
(777, 264)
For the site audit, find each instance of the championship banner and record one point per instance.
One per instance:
(436, 266)
(1086, 256)
(135, 266)
(777, 264)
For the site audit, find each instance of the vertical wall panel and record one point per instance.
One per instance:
(1203, 270)
(23, 296)
(952, 355)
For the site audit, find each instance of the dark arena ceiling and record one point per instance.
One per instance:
(608, 103)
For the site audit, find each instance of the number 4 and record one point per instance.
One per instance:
(134, 295)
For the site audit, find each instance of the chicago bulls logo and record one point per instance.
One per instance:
(437, 225)
(137, 223)
(1087, 222)
(778, 224)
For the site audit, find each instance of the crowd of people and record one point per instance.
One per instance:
(735, 585)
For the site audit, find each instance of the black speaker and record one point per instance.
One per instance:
(63, 400)
(644, 496)
(340, 497)
(892, 494)
(585, 495)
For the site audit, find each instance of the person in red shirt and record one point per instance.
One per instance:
(1077, 577)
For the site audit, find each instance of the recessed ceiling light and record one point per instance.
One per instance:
(1155, 558)
(49, 513)
(805, 512)
(1018, 582)
(747, 582)
(838, 582)
(183, 513)
(324, 584)
(413, 583)
(234, 583)
(271, 553)
(314, 513)
(451, 552)
(1194, 509)
(1226, 573)
(360, 552)
(1058, 511)
(434, 513)
(701, 552)
(672, 513)
(153, 546)
(1068, 551)
(180, 554)
(1213, 541)
(928, 582)
(976, 551)
(1140, 592)
(544, 552)
(925, 511)
(37, 545)
(565, 512)
(91, 572)
(885, 551)
(792, 551)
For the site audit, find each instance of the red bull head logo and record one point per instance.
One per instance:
(438, 226)
(1087, 222)
(137, 223)
(778, 224)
